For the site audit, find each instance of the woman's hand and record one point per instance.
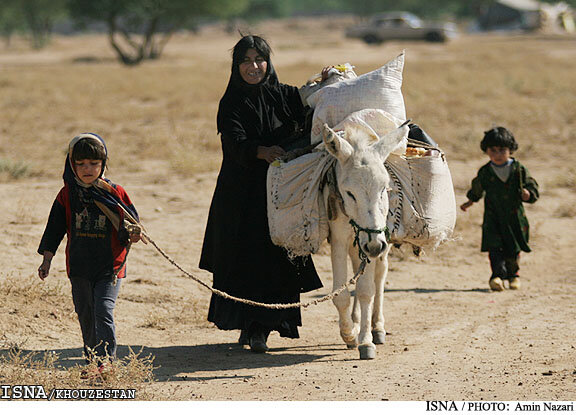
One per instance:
(326, 72)
(44, 268)
(269, 153)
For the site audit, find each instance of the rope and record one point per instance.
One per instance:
(330, 296)
(398, 213)
(146, 239)
(115, 276)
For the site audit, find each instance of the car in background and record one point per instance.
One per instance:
(401, 26)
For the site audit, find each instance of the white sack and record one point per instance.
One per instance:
(296, 214)
(422, 203)
(379, 89)
(336, 74)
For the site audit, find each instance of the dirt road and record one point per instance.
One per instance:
(450, 338)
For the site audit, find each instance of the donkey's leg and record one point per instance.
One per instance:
(339, 245)
(365, 290)
(378, 331)
(353, 252)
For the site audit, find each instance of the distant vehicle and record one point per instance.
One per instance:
(401, 26)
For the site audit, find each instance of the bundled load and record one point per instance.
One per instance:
(422, 209)
(336, 74)
(379, 89)
(297, 216)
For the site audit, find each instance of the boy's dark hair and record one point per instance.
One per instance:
(89, 148)
(498, 137)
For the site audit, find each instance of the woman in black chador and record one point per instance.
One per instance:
(259, 119)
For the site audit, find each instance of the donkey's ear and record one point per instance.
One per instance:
(391, 140)
(336, 145)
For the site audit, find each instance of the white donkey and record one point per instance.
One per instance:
(358, 228)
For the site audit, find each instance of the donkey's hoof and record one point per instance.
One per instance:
(378, 337)
(367, 351)
(351, 341)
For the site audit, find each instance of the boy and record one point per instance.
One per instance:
(505, 183)
(91, 211)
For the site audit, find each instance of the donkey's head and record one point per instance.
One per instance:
(363, 181)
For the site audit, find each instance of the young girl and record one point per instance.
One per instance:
(505, 183)
(92, 212)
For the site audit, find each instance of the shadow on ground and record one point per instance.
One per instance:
(436, 290)
(179, 363)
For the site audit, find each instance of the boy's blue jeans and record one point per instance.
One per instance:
(94, 303)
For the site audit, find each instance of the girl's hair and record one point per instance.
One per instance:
(89, 148)
(498, 137)
(250, 42)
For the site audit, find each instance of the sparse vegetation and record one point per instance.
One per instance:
(565, 210)
(34, 368)
(159, 122)
(142, 116)
(565, 180)
(13, 170)
(29, 288)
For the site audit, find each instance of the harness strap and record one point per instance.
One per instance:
(397, 214)
(335, 200)
(336, 203)
(357, 229)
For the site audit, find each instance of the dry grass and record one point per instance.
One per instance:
(29, 289)
(10, 170)
(166, 110)
(25, 300)
(565, 210)
(565, 179)
(32, 368)
(140, 115)
(159, 119)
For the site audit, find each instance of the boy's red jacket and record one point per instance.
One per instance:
(94, 249)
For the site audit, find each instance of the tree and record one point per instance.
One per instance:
(40, 16)
(258, 9)
(35, 16)
(139, 29)
(10, 20)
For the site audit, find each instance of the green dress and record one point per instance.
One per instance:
(505, 223)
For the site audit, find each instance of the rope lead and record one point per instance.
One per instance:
(330, 296)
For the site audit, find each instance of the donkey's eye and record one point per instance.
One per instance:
(351, 195)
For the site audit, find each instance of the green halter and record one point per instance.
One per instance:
(357, 229)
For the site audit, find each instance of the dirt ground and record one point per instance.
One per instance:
(449, 336)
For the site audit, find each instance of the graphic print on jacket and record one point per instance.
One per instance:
(93, 248)
(91, 252)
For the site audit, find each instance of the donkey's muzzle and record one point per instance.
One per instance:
(375, 247)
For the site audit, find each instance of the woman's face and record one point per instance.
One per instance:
(253, 68)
